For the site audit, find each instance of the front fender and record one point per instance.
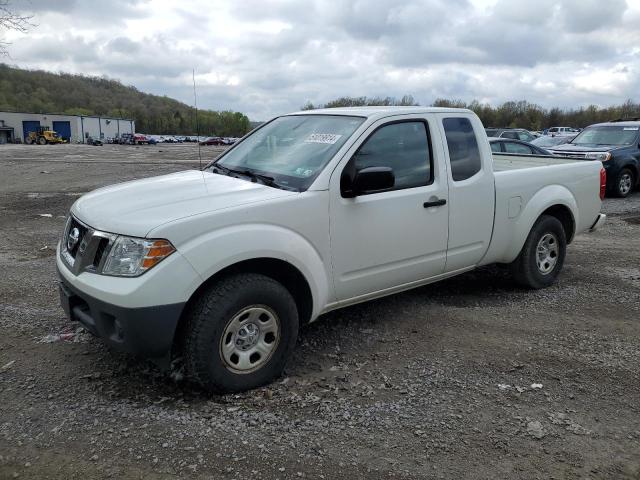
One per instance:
(214, 251)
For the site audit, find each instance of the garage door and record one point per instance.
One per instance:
(63, 129)
(29, 126)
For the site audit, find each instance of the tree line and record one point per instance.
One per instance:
(521, 114)
(44, 92)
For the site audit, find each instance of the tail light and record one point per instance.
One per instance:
(603, 182)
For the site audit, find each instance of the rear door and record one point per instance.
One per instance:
(471, 189)
(384, 240)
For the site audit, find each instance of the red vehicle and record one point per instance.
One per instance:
(139, 139)
(213, 141)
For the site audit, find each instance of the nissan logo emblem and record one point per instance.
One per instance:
(73, 238)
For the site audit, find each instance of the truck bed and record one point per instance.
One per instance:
(510, 161)
(523, 182)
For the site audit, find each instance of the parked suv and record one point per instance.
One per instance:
(553, 131)
(617, 145)
(514, 133)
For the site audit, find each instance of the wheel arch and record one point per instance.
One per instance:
(277, 269)
(565, 215)
(633, 165)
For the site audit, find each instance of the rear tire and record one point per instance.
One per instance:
(542, 256)
(624, 183)
(42, 141)
(240, 333)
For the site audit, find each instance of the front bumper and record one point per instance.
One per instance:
(144, 331)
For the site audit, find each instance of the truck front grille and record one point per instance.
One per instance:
(74, 237)
(84, 248)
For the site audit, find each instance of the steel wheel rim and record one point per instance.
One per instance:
(249, 339)
(625, 183)
(547, 253)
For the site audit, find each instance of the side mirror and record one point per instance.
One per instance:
(369, 180)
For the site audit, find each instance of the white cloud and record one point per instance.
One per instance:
(268, 57)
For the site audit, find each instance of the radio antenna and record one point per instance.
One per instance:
(195, 102)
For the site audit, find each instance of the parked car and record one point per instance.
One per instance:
(507, 145)
(311, 212)
(555, 131)
(547, 141)
(140, 139)
(617, 145)
(213, 141)
(514, 133)
(125, 139)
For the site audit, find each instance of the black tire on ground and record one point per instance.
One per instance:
(624, 184)
(42, 140)
(534, 269)
(216, 310)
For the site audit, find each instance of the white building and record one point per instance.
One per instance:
(73, 128)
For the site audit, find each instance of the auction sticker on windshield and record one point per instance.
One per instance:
(328, 138)
(631, 128)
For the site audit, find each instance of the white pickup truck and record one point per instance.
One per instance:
(311, 212)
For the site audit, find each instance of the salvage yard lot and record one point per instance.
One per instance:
(431, 383)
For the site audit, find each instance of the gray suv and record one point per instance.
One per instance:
(513, 133)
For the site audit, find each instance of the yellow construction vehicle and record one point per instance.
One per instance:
(43, 136)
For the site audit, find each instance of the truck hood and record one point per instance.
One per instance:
(135, 208)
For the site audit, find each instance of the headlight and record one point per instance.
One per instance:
(602, 156)
(130, 257)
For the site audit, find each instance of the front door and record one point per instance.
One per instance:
(384, 240)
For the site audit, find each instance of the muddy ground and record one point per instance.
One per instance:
(468, 378)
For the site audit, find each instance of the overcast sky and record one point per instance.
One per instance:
(266, 57)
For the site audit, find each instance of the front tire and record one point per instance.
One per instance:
(42, 141)
(624, 183)
(542, 256)
(240, 333)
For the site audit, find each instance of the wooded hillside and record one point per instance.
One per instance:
(44, 92)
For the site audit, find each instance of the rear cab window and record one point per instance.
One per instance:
(464, 153)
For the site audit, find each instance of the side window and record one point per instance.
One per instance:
(525, 137)
(404, 147)
(495, 147)
(510, 135)
(464, 153)
(512, 147)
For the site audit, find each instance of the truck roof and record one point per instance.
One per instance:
(379, 112)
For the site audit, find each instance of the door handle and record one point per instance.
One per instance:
(436, 203)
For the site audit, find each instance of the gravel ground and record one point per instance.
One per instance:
(468, 378)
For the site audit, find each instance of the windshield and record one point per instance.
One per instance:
(614, 135)
(291, 150)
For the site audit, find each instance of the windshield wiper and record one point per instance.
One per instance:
(265, 179)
